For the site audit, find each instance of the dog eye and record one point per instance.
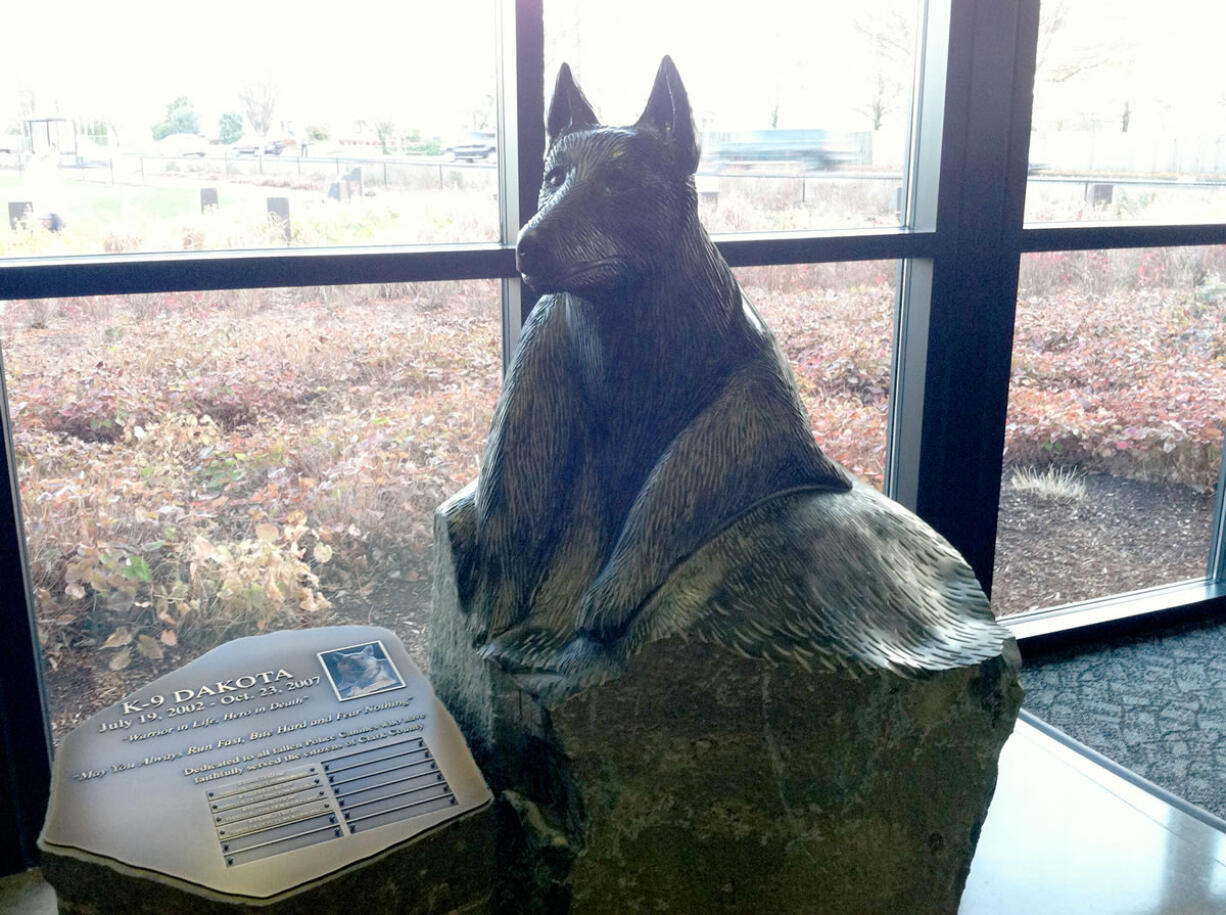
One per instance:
(554, 177)
(617, 180)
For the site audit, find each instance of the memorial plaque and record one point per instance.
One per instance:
(266, 764)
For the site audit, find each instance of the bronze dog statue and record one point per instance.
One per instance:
(650, 468)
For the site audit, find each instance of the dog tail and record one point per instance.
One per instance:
(847, 581)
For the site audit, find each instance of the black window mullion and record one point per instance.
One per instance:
(530, 103)
(199, 270)
(768, 249)
(985, 145)
(1100, 236)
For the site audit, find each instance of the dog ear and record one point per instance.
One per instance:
(568, 109)
(668, 111)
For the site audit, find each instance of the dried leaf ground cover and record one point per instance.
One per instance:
(196, 467)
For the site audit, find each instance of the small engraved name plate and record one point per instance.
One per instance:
(265, 764)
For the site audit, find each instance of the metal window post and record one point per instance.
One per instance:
(521, 142)
(904, 427)
(1216, 571)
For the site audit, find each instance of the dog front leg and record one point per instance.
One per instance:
(531, 460)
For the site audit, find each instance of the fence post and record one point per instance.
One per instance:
(278, 208)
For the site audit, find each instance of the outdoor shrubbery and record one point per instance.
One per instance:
(1120, 364)
(835, 322)
(199, 466)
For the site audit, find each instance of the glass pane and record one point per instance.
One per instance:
(195, 467)
(835, 323)
(1128, 109)
(1115, 424)
(246, 128)
(803, 108)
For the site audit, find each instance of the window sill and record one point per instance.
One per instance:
(1053, 627)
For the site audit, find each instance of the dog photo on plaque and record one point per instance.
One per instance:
(360, 670)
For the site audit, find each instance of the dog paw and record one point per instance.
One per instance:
(551, 667)
(523, 647)
(604, 611)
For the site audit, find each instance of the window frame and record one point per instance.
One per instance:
(959, 249)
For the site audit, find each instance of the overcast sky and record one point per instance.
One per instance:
(431, 65)
(423, 63)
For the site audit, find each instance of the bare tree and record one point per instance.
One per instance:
(483, 115)
(1058, 59)
(385, 131)
(26, 102)
(889, 35)
(260, 100)
(1092, 49)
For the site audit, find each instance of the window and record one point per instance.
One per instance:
(835, 324)
(1127, 113)
(912, 228)
(815, 140)
(1113, 441)
(247, 128)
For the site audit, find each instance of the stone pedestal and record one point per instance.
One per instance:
(446, 870)
(702, 781)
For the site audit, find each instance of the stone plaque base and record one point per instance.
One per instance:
(446, 870)
(300, 771)
(702, 781)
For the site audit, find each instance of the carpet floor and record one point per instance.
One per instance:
(1155, 704)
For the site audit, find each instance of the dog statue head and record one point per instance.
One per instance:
(614, 200)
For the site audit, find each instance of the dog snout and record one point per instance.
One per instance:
(530, 251)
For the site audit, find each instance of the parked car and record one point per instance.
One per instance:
(473, 146)
(182, 145)
(251, 147)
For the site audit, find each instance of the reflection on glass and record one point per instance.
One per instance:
(802, 108)
(1128, 112)
(195, 467)
(1114, 430)
(835, 323)
(247, 127)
